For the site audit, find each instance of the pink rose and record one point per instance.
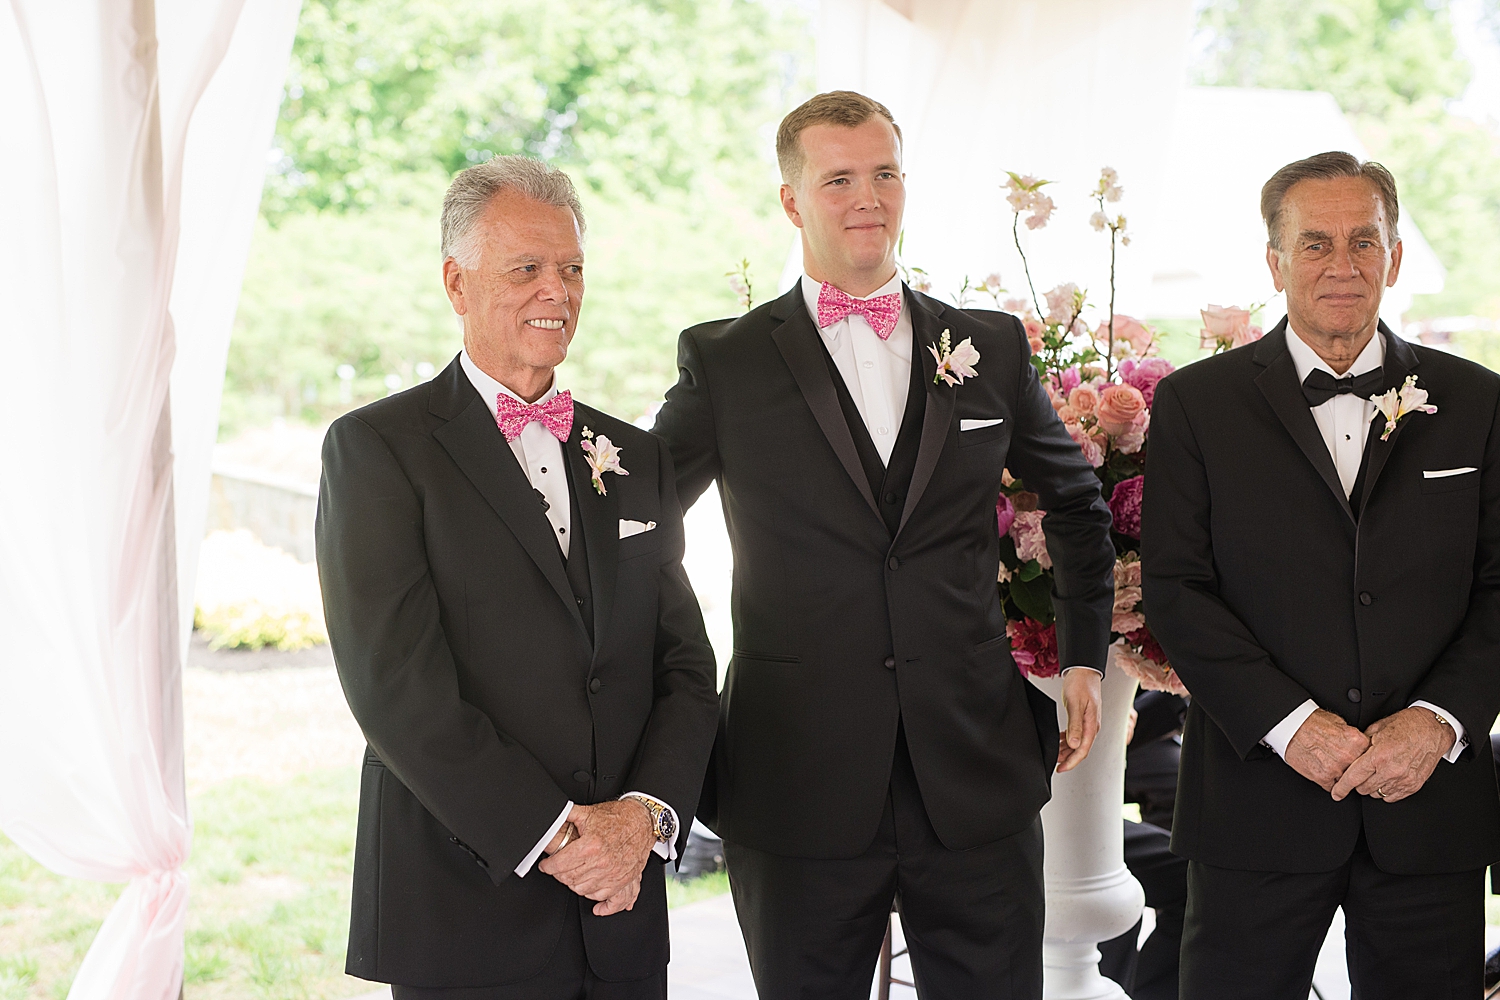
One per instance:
(1070, 379)
(1093, 451)
(1118, 407)
(1128, 330)
(1031, 542)
(1127, 572)
(1134, 439)
(1145, 374)
(1227, 326)
(1034, 331)
(1068, 415)
(1083, 400)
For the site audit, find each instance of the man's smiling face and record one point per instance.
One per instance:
(1337, 256)
(848, 202)
(520, 300)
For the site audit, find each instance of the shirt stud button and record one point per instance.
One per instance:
(562, 531)
(884, 431)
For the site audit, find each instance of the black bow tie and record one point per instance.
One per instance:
(1319, 386)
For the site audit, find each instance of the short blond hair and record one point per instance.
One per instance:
(844, 108)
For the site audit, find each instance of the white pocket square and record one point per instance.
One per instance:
(628, 528)
(974, 425)
(1445, 473)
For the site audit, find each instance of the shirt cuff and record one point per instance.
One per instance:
(1279, 737)
(1080, 666)
(541, 845)
(1460, 737)
(667, 851)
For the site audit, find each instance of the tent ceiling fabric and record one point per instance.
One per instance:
(1059, 89)
(116, 319)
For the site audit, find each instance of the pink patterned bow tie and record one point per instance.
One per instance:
(881, 312)
(556, 414)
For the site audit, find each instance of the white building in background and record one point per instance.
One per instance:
(1208, 242)
(1059, 89)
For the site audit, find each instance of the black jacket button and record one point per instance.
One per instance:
(594, 686)
(1366, 599)
(1354, 694)
(894, 563)
(890, 663)
(890, 498)
(580, 776)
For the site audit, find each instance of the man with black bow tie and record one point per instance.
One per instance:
(1321, 553)
(876, 741)
(502, 576)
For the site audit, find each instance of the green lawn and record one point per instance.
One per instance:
(270, 898)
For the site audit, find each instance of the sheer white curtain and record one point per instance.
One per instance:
(1055, 88)
(134, 148)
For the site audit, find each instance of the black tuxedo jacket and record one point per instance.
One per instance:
(467, 661)
(1267, 587)
(842, 625)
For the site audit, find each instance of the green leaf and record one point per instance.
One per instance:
(1030, 571)
(1034, 598)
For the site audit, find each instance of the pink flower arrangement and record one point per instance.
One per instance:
(1125, 505)
(1141, 657)
(1127, 616)
(1130, 332)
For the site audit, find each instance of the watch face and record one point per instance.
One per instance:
(667, 827)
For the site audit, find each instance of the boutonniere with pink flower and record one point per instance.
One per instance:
(954, 364)
(1395, 404)
(603, 455)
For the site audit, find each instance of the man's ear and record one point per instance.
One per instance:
(789, 205)
(1390, 276)
(1273, 261)
(453, 284)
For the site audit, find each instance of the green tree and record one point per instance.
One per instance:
(661, 110)
(1393, 65)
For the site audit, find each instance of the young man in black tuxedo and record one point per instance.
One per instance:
(502, 577)
(876, 741)
(1327, 582)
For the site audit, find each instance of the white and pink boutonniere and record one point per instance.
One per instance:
(1394, 404)
(603, 455)
(954, 364)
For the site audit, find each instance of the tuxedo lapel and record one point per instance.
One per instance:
(797, 339)
(927, 327)
(479, 450)
(1279, 384)
(600, 517)
(1400, 361)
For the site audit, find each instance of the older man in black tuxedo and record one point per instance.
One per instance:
(876, 742)
(1321, 551)
(501, 569)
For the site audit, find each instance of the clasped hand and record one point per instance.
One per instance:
(605, 862)
(1390, 760)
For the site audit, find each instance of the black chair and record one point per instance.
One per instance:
(887, 956)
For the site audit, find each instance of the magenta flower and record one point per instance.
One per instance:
(1125, 505)
(1006, 511)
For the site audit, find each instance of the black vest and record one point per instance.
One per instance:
(888, 483)
(577, 561)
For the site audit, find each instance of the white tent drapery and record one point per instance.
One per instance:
(135, 136)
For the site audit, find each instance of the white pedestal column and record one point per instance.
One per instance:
(1091, 895)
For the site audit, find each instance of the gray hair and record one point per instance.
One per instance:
(472, 190)
(1326, 166)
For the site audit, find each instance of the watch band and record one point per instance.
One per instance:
(661, 819)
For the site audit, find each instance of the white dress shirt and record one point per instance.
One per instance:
(541, 456)
(1344, 422)
(876, 372)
